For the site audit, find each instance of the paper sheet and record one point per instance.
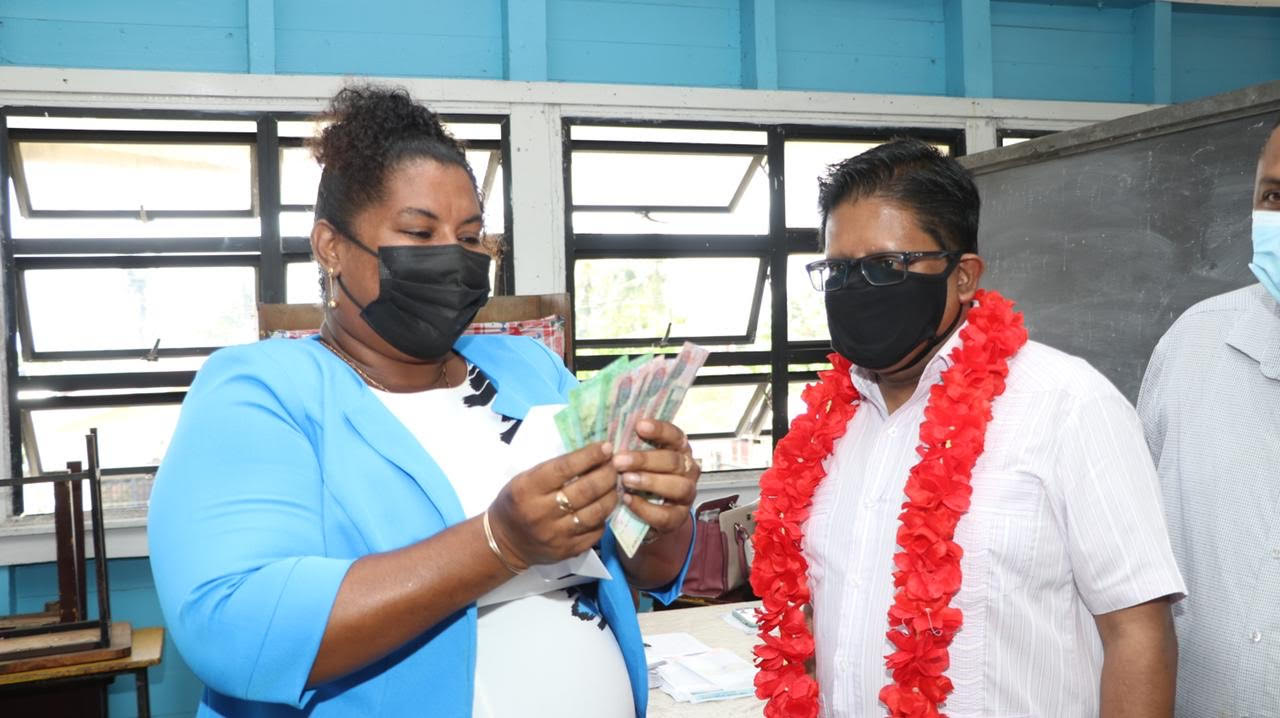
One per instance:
(661, 647)
(537, 441)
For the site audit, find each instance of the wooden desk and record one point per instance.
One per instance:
(707, 625)
(148, 645)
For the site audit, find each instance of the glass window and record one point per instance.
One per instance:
(299, 177)
(133, 308)
(721, 409)
(653, 179)
(134, 177)
(486, 165)
(637, 298)
(806, 308)
(128, 436)
(303, 283)
(608, 133)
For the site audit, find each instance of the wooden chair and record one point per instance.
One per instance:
(303, 317)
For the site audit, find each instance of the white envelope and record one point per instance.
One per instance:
(538, 440)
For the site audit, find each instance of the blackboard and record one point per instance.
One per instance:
(1103, 244)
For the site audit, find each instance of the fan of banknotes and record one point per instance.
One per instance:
(607, 407)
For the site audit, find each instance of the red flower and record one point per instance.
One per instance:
(927, 569)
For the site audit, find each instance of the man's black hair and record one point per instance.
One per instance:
(915, 176)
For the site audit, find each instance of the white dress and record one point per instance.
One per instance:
(538, 656)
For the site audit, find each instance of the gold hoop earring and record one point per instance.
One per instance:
(333, 290)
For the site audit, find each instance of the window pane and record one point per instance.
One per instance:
(636, 298)
(1012, 140)
(657, 179)
(299, 176)
(108, 228)
(806, 309)
(108, 366)
(296, 224)
(132, 308)
(136, 176)
(460, 130)
(487, 167)
(302, 283)
(127, 436)
(491, 131)
(795, 404)
(248, 127)
(750, 216)
(668, 134)
(805, 163)
(730, 454)
(721, 409)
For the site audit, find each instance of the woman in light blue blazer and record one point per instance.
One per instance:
(331, 509)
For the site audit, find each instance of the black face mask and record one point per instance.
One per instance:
(877, 327)
(427, 297)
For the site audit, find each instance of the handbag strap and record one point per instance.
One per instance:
(740, 534)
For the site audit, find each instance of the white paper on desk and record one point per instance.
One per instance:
(661, 647)
(537, 441)
(718, 674)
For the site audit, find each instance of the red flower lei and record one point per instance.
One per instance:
(922, 622)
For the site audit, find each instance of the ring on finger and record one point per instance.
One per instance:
(577, 523)
(563, 502)
(688, 464)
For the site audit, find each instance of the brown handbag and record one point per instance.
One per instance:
(719, 562)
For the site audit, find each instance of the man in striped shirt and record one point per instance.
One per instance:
(1067, 572)
(1210, 404)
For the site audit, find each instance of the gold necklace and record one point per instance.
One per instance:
(346, 358)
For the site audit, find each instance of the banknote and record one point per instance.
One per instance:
(609, 405)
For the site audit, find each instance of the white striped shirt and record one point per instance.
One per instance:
(1211, 406)
(1065, 523)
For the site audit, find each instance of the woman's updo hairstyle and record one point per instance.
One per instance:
(372, 130)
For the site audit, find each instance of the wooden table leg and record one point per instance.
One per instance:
(143, 689)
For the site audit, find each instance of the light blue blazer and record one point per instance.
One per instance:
(284, 470)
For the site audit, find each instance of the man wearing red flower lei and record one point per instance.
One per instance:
(1210, 403)
(973, 518)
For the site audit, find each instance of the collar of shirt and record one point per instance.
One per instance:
(1257, 334)
(869, 387)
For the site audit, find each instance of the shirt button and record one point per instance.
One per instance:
(1255, 637)
(1275, 553)
(893, 431)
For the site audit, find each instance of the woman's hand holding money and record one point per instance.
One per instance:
(555, 510)
(668, 472)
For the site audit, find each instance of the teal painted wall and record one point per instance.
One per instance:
(1112, 50)
(892, 46)
(1218, 49)
(175, 691)
(655, 42)
(1039, 51)
(432, 38)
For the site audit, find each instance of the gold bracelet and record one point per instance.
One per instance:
(493, 545)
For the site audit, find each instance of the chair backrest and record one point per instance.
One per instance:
(307, 317)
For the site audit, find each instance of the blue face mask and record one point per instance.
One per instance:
(1266, 250)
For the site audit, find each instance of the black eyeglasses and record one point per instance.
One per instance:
(880, 270)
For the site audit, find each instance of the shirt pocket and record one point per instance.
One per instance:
(1004, 524)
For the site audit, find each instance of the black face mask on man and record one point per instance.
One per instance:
(875, 327)
(427, 295)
